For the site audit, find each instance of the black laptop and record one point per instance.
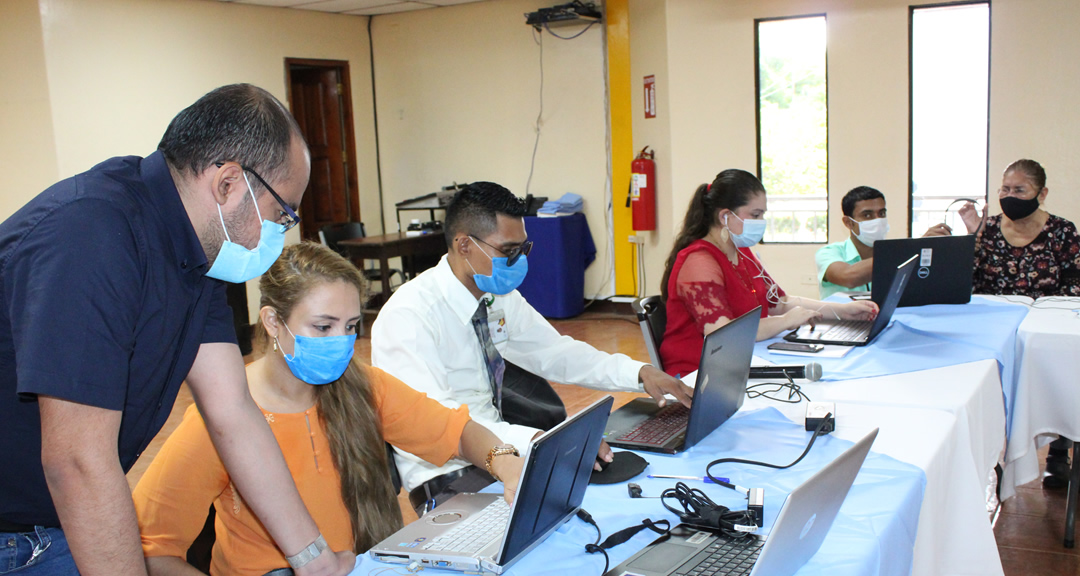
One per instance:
(718, 393)
(942, 276)
(858, 332)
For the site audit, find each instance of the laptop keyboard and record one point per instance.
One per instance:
(472, 536)
(724, 556)
(668, 422)
(843, 331)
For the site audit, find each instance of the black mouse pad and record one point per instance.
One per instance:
(625, 466)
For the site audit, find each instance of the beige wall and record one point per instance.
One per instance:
(27, 144)
(118, 71)
(458, 96)
(710, 57)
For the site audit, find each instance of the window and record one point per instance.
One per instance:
(793, 154)
(950, 84)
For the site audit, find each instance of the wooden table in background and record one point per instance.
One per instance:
(397, 244)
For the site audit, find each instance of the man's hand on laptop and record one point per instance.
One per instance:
(507, 468)
(658, 384)
(604, 454)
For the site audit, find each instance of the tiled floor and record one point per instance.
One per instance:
(1029, 529)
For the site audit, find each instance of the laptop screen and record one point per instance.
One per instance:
(722, 375)
(557, 471)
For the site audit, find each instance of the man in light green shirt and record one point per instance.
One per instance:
(848, 266)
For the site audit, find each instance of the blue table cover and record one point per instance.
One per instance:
(925, 337)
(562, 248)
(874, 533)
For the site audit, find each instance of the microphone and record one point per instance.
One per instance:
(811, 371)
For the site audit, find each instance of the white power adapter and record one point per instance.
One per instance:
(816, 412)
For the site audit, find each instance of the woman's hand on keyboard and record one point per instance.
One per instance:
(856, 310)
(798, 316)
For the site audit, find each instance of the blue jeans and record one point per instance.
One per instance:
(43, 552)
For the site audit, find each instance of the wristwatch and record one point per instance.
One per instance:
(308, 554)
(498, 451)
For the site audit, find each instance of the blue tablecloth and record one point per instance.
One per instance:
(562, 248)
(874, 534)
(924, 337)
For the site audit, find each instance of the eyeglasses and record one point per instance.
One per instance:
(516, 252)
(287, 216)
(1014, 191)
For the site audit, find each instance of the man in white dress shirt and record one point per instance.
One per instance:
(432, 332)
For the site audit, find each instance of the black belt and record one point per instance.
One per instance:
(6, 526)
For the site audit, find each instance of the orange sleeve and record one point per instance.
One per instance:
(415, 423)
(174, 496)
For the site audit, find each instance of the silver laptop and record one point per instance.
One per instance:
(480, 533)
(718, 393)
(858, 332)
(797, 534)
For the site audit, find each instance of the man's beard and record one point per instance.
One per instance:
(213, 235)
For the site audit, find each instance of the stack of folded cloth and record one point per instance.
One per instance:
(570, 203)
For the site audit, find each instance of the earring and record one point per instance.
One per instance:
(725, 235)
(275, 344)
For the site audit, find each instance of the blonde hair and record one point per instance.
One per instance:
(346, 406)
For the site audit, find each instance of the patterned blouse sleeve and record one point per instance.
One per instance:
(701, 287)
(1070, 259)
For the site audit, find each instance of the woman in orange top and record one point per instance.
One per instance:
(332, 436)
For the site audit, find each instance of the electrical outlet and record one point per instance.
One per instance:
(809, 280)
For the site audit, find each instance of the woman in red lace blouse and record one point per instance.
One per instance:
(711, 276)
(1024, 250)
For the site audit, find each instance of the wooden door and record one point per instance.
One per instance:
(318, 98)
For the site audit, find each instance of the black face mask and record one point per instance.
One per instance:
(1017, 209)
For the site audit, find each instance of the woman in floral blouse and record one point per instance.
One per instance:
(1028, 251)
(1024, 250)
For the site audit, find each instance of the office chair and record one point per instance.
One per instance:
(652, 315)
(1074, 491)
(331, 234)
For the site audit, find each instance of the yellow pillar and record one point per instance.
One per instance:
(617, 18)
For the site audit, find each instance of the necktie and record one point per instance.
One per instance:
(495, 364)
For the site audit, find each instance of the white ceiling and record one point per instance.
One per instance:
(355, 7)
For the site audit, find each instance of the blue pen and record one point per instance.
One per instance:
(706, 479)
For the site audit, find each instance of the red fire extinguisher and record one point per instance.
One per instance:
(643, 190)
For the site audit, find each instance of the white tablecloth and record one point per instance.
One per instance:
(1048, 386)
(951, 423)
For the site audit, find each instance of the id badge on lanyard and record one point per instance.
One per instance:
(497, 326)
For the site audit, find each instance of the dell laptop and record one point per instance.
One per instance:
(480, 533)
(718, 393)
(797, 534)
(858, 332)
(943, 274)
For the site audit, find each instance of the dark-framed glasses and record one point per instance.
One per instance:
(287, 217)
(513, 254)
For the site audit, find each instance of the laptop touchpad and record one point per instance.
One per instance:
(664, 557)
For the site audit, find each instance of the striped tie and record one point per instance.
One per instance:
(495, 364)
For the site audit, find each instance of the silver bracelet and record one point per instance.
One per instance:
(313, 550)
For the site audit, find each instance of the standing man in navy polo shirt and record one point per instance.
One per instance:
(111, 295)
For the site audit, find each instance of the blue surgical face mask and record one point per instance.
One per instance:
(237, 264)
(319, 360)
(504, 279)
(752, 232)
